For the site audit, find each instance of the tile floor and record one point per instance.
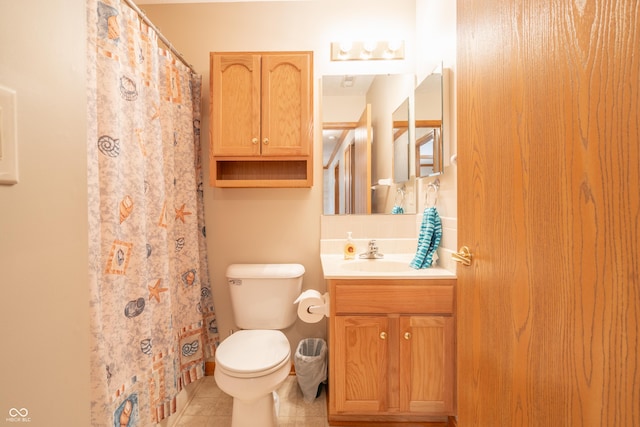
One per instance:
(211, 407)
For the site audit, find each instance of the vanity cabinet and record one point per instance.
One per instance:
(261, 119)
(391, 350)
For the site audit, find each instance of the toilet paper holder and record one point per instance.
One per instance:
(316, 309)
(312, 306)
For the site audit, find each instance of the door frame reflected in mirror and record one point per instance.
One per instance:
(336, 135)
(347, 150)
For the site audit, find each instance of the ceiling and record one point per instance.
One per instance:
(346, 85)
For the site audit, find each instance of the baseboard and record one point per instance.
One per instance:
(209, 368)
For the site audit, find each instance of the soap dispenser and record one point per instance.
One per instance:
(349, 247)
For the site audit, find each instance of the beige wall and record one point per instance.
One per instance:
(277, 225)
(44, 360)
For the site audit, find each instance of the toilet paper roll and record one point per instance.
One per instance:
(312, 306)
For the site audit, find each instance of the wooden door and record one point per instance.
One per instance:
(235, 104)
(363, 137)
(427, 357)
(287, 104)
(548, 202)
(361, 363)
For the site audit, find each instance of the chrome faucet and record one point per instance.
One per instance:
(372, 252)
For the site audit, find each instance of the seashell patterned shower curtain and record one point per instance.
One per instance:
(152, 316)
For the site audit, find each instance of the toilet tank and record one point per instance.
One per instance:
(262, 295)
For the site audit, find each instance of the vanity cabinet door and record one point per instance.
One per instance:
(361, 363)
(427, 364)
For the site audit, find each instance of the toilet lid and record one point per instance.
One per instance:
(250, 351)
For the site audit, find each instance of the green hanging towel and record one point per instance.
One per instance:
(428, 239)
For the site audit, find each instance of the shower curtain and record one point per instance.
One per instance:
(152, 316)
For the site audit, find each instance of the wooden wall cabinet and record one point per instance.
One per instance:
(261, 119)
(391, 350)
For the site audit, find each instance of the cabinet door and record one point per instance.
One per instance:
(360, 374)
(235, 104)
(287, 111)
(427, 364)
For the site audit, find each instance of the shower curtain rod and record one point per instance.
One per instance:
(147, 21)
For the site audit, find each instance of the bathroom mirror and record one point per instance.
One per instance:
(428, 125)
(357, 115)
(401, 139)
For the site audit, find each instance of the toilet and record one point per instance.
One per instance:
(254, 361)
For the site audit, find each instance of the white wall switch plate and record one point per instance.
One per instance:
(8, 137)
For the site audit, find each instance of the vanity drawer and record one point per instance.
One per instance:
(392, 298)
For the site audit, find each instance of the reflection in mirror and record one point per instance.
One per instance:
(347, 136)
(342, 160)
(428, 151)
(428, 125)
(358, 141)
(401, 143)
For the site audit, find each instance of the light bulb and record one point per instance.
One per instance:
(345, 46)
(369, 46)
(394, 45)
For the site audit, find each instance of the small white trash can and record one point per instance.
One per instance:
(310, 362)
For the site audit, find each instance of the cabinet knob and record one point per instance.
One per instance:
(407, 335)
(383, 335)
(254, 140)
(265, 141)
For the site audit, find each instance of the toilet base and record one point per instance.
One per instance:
(244, 412)
(253, 396)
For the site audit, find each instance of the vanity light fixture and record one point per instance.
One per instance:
(367, 50)
(345, 47)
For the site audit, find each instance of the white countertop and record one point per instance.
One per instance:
(392, 266)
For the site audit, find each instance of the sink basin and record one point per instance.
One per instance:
(376, 265)
(391, 266)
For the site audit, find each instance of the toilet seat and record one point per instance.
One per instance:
(253, 353)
